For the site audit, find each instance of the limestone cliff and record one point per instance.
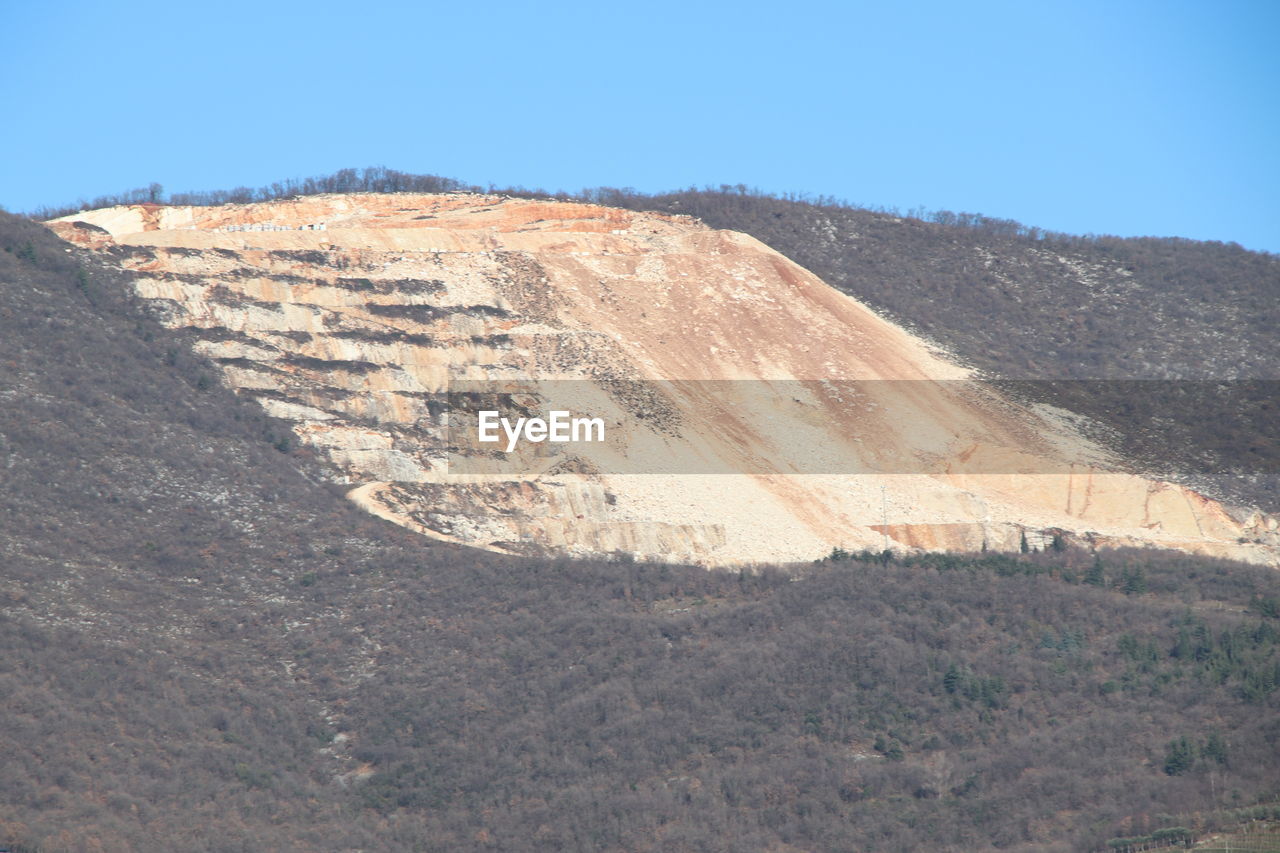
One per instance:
(350, 316)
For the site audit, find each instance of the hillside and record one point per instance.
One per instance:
(357, 317)
(206, 647)
(1169, 344)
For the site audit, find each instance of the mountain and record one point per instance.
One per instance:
(356, 316)
(205, 646)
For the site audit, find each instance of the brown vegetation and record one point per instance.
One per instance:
(202, 647)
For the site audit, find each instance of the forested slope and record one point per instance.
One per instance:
(205, 648)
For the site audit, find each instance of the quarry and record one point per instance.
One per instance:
(352, 317)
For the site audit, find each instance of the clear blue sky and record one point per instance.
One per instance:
(1108, 117)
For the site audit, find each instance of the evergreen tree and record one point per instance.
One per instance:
(1215, 748)
(1096, 576)
(951, 681)
(1184, 648)
(1179, 756)
(1134, 581)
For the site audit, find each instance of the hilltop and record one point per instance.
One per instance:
(350, 315)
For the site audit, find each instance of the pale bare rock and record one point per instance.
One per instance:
(349, 316)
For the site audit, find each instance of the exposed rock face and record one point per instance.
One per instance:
(351, 315)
